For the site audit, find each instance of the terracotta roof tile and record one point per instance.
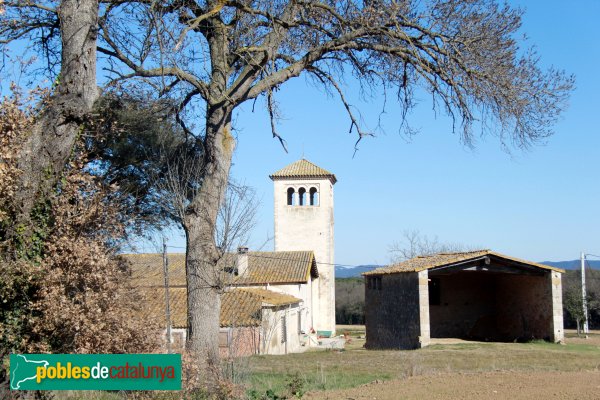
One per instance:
(273, 267)
(147, 269)
(303, 169)
(239, 307)
(421, 263)
(270, 297)
(155, 305)
(263, 267)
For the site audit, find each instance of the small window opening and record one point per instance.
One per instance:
(283, 330)
(314, 197)
(434, 292)
(290, 197)
(302, 196)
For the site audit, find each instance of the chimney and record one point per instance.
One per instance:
(242, 260)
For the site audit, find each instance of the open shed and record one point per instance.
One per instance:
(476, 295)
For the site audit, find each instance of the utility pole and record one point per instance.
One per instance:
(167, 304)
(583, 296)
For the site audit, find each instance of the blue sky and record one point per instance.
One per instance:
(541, 204)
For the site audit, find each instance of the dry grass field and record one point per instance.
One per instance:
(449, 370)
(452, 370)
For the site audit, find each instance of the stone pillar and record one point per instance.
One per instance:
(558, 332)
(425, 332)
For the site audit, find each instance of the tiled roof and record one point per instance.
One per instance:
(421, 263)
(147, 269)
(273, 267)
(239, 307)
(155, 305)
(263, 267)
(303, 169)
(270, 297)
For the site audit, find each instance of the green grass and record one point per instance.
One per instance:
(327, 370)
(313, 379)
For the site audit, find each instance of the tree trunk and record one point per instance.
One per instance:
(203, 278)
(56, 129)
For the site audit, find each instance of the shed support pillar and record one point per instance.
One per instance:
(425, 335)
(557, 307)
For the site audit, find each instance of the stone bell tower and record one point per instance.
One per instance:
(304, 221)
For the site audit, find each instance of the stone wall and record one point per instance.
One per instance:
(239, 342)
(524, 307)
(497, 307)
(472, 305)
(392, 311)
(466, 308)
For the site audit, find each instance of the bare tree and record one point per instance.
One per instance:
(414, 244)
(177, 185)
(214, 55)
(237, 217)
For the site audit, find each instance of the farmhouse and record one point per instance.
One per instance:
(478, 295)
(267, 306)
(273, 302)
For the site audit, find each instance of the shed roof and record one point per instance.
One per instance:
(303, 169)
(239, 307)
(272, 267)
(433, 261)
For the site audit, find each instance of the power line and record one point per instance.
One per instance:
(295, 259)
(317, 262)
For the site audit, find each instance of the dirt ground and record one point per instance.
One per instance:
(583, 385)
(593, 338)
(510, 383)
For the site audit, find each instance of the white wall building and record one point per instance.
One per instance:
(276, 302)
(304, 221)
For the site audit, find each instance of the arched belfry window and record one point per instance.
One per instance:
(314, 197)
(290, 197)
(302, 196)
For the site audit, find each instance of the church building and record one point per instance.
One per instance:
(304, 221)
(275, 302)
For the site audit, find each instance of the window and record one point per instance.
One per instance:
(302, 196)
(290, 197)
(300, 331)
(374, 282)
(283, 330)
(435, 296)
(224, 337)
(314, 197)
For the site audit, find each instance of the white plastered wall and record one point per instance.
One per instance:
(302, 228)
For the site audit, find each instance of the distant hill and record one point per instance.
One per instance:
(573, 264)
(353, 272)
